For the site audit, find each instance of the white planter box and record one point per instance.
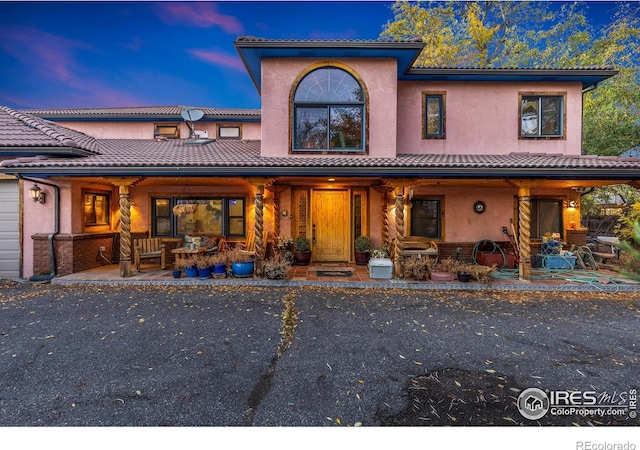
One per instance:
(380, 268)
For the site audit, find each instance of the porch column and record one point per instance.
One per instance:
(125, 231)
(385, 222)
(259, 224)
(524, 226)
(399, 247)
(276, 213)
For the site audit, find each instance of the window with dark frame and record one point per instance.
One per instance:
(433, 115)
(426, 217)
(166, 131)
(329, 112)
(546, 217)
(541, 116)
(229, 132)
(96, 209)
(225, 216)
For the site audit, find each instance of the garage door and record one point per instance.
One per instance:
(9, 229)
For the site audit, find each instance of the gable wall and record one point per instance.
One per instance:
(379, 77)
(144, 129)
(482, 118)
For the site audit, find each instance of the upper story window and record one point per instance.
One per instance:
(329, 112)
(166, 131)
(229, 132)
(433, 115)
(542, 116)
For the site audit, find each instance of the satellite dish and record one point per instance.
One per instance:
(192, 115)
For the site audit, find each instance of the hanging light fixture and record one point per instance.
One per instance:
(185, 206)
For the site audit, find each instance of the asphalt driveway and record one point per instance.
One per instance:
(99, 355)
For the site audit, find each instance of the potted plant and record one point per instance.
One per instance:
(302, 251)
(242, 264)
(380, 252)
(218, 264)
(362, 252)
(204, 265)
(178, 265)
(445, 269)
(416, 267)
(277, 267)
(190, 267)
(478, 272)
(380, 266)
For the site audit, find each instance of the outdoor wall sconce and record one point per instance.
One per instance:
(572, 204)
(37, 194)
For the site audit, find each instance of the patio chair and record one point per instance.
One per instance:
(249, 245)
(149, 248)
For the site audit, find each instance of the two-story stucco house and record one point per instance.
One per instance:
(350, 140)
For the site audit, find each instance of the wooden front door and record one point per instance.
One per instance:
(330, 219)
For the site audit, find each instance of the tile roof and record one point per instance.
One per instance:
(514, 69)
(252, 50)
(21, 131)
(234, 157)
(323, 42)
(172, 112)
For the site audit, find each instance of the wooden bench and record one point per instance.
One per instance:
(149, 248)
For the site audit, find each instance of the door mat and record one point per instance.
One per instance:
(333, 273)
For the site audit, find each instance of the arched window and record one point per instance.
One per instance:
(328, 112)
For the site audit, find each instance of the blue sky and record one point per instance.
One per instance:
(111, 54)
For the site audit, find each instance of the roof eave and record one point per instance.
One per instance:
(23, 151)
(586, 76)
(602, 173)
(252, 51)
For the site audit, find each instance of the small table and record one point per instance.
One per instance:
(185, 252)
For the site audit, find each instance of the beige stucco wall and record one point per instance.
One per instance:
(378, 76)
(144, 130)
(483, 118)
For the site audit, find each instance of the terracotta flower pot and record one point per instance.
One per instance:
(302, 258)
(362, 258)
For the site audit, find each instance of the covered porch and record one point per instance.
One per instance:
(603, 280)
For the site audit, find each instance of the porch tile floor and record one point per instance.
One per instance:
(602, 280)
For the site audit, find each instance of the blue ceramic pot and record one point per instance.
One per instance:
(192, 272)
(204, 273)
(242, 269)
(219, 268)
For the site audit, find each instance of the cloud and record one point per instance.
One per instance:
(43, 51)
(199, 14)
(218, 58)
(51, 62)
